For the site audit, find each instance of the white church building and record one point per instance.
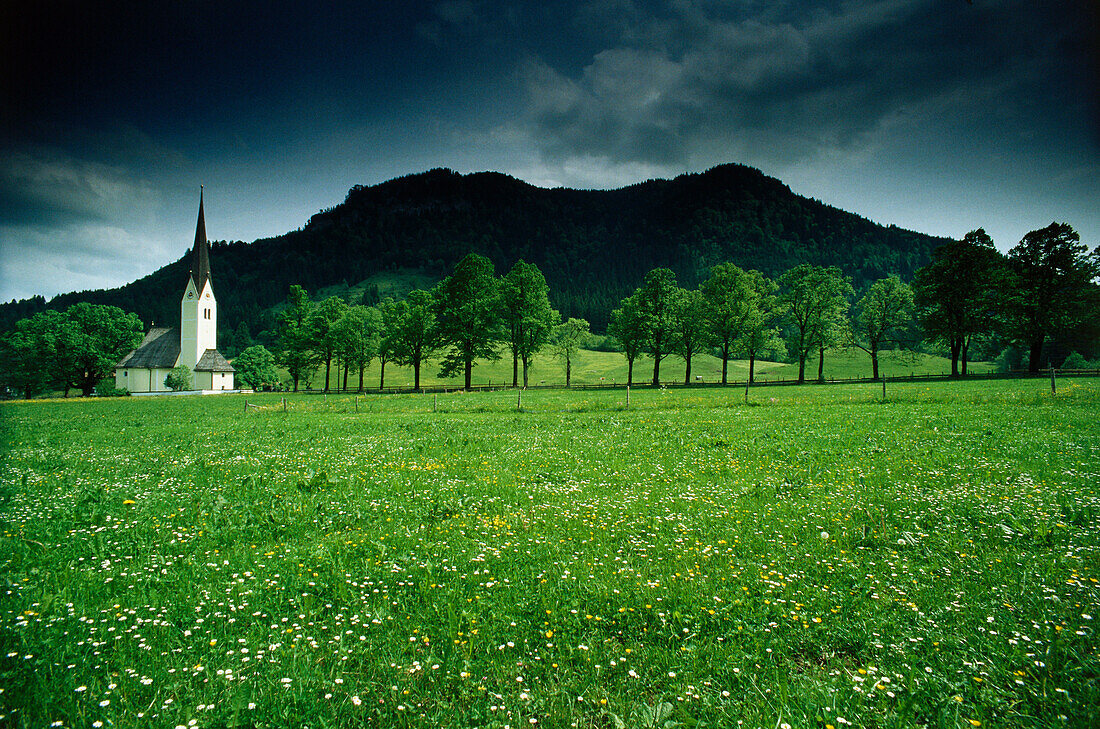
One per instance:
(194, 343)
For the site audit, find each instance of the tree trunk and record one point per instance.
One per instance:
(416, 375)
(629, 371)
(801, 368)
(656, 369)
(568, 371)
(515, 371)
(469, 373)
(362, 366)
(345, 376)
(956, 347)
(1036, 357)
(687, 369)
(381, 374)
(874, 362)
(328, 367)
(295, 383)
(821, 366)
(963, 356)
(725, 359)
(526, 366)
(752, 365)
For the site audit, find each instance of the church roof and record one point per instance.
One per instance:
(200, 254)
(160, 348)
(213, 361)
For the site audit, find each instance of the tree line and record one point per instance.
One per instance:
(1043, 289)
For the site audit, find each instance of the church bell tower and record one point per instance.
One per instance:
(198, 308)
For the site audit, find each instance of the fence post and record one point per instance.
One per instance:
(356, 403)
(519, 400)
(884, 388)
(746, 392)
(284, 404)
(435, 402)
(628, 397)
(1053, 385)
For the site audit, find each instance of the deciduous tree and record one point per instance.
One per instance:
(691, 331)
(729, 301)
(466, 316)
(295, 332)
(655, 304)
(1053, 287)
(815, 300)
(255, 368)
(566, 341)
(955, 293)
(884, 315)
(627, 327)
(412, 332)
(528, 316)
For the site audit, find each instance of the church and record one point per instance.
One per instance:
(194, 343)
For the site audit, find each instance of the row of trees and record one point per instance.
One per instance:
(1044, 288)
(470, 315)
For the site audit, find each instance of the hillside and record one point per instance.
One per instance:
(593, 246)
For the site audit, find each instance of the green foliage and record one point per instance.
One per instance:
(885, 316)
(179, 379)
(815, 301)
(466, 316)
(655, 305)
(1053, 287)
(691, 559)
(566, 343)
(956, 294)
(691, 330)
(628, 327)
(255, 368)
(528, 316)
(296, 336)
(411, 332)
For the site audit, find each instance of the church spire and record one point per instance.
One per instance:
(200, 254)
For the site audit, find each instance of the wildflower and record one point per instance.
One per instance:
(356, 700)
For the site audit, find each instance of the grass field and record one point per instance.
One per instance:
(815, 558)
(600, 368)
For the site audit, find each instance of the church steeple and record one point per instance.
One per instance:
(200, 254)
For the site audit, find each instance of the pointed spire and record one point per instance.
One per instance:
(200, 254)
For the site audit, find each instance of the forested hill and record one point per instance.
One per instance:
(593, 246)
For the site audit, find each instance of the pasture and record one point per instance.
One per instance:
(814, 558)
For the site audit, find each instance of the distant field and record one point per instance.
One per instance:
(596, 368)
(816, 558)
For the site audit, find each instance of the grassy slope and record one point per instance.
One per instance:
(817, 557)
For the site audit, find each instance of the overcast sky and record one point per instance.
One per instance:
(935, 115)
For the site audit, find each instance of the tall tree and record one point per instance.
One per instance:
(411, 332)
(97, 337)
(566, 341)
(815, 300)
(691, 330)
(655, 304)
(27, 352)
(466, 315)
(295, 333)
(386, 347)
(357, 333)
(1053, 287)
(758, 331)
(326, 333)
(528, 316)
(954, 294)
(627, 327)
(884, 315)
(729, 301)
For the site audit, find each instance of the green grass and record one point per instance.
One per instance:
(599, 368)
(816, 557)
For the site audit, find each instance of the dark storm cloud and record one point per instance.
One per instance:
(939, 115)
(798, 79)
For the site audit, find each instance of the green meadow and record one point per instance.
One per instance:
(814, 557)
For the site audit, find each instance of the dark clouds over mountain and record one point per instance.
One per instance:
(937, 116)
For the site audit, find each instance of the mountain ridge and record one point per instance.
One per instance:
(594, 246)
